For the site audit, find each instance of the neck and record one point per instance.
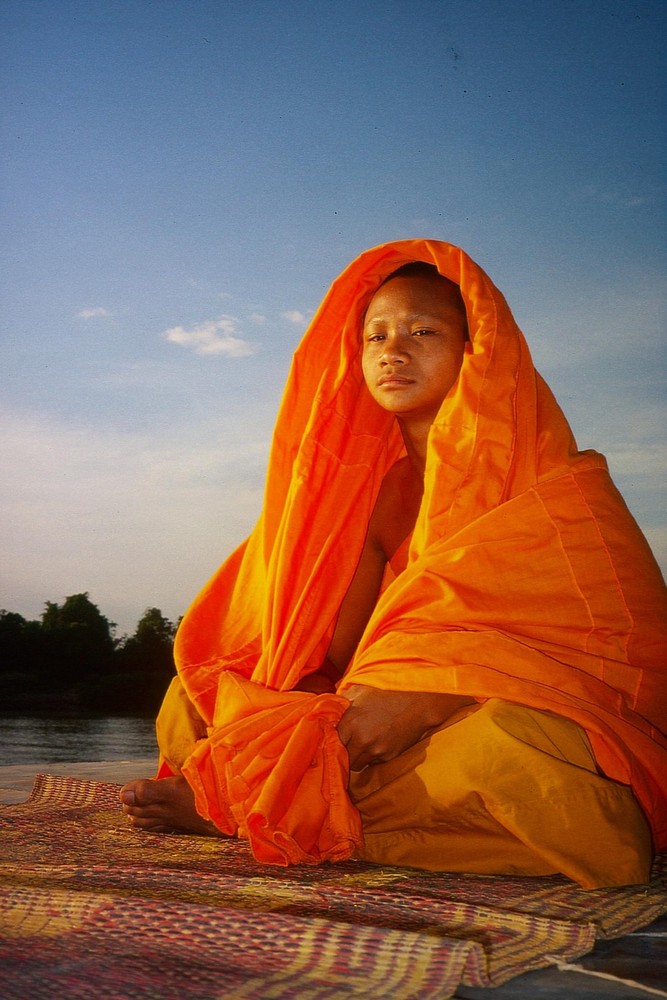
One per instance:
(415, 435)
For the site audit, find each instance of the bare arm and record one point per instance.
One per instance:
(391, 522)
(358, 604)
(355, 611)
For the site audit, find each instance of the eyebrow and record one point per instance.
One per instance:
(410, 318)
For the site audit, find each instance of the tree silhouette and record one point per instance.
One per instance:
(70, 661)
(21, 659)
(79, 641)
(148, 655)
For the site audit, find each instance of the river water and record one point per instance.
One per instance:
(32, 740)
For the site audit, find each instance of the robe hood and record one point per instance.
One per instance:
(528, 579)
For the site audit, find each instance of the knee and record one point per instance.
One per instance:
(491, 751)
(534, 731)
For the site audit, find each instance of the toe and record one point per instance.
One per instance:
(143, 792)
(128, 796)
(149, 825)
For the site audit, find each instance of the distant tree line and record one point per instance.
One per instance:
(69, 662)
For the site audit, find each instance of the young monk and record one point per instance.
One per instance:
(468, 677)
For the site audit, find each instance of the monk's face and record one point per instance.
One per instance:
(413, 342)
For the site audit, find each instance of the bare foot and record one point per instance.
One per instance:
(164, 805)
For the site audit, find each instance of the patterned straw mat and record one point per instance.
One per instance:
(90, 908)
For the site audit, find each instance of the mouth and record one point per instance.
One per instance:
(391, 381)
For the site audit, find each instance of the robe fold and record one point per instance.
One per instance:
(528, 580)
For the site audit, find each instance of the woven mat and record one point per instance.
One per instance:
(90, 908)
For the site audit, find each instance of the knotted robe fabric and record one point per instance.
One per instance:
(527, 580)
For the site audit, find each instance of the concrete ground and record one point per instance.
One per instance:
(16, 780)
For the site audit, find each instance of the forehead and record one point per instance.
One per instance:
(414, 295)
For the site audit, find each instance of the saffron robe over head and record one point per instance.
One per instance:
(528, 579)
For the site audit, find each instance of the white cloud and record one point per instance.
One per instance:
(295, 316)
(258, 318)
(98, 313)
(213, 337)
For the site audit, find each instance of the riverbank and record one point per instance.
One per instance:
(17, 780)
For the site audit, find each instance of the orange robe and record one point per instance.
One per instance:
(527, 581)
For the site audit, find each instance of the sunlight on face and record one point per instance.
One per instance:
(413, 342)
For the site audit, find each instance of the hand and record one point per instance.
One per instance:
(380, 725)
(315, 683)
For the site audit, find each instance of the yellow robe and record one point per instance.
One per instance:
(528, 583)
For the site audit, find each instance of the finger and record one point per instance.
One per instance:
(361, 757)
(354, 753)
(345, 728)
(364, 761)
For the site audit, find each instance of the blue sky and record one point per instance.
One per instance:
(180, 183)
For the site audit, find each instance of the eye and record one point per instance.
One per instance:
(374, 338)
(422, 332)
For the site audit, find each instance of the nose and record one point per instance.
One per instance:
(394, 351)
